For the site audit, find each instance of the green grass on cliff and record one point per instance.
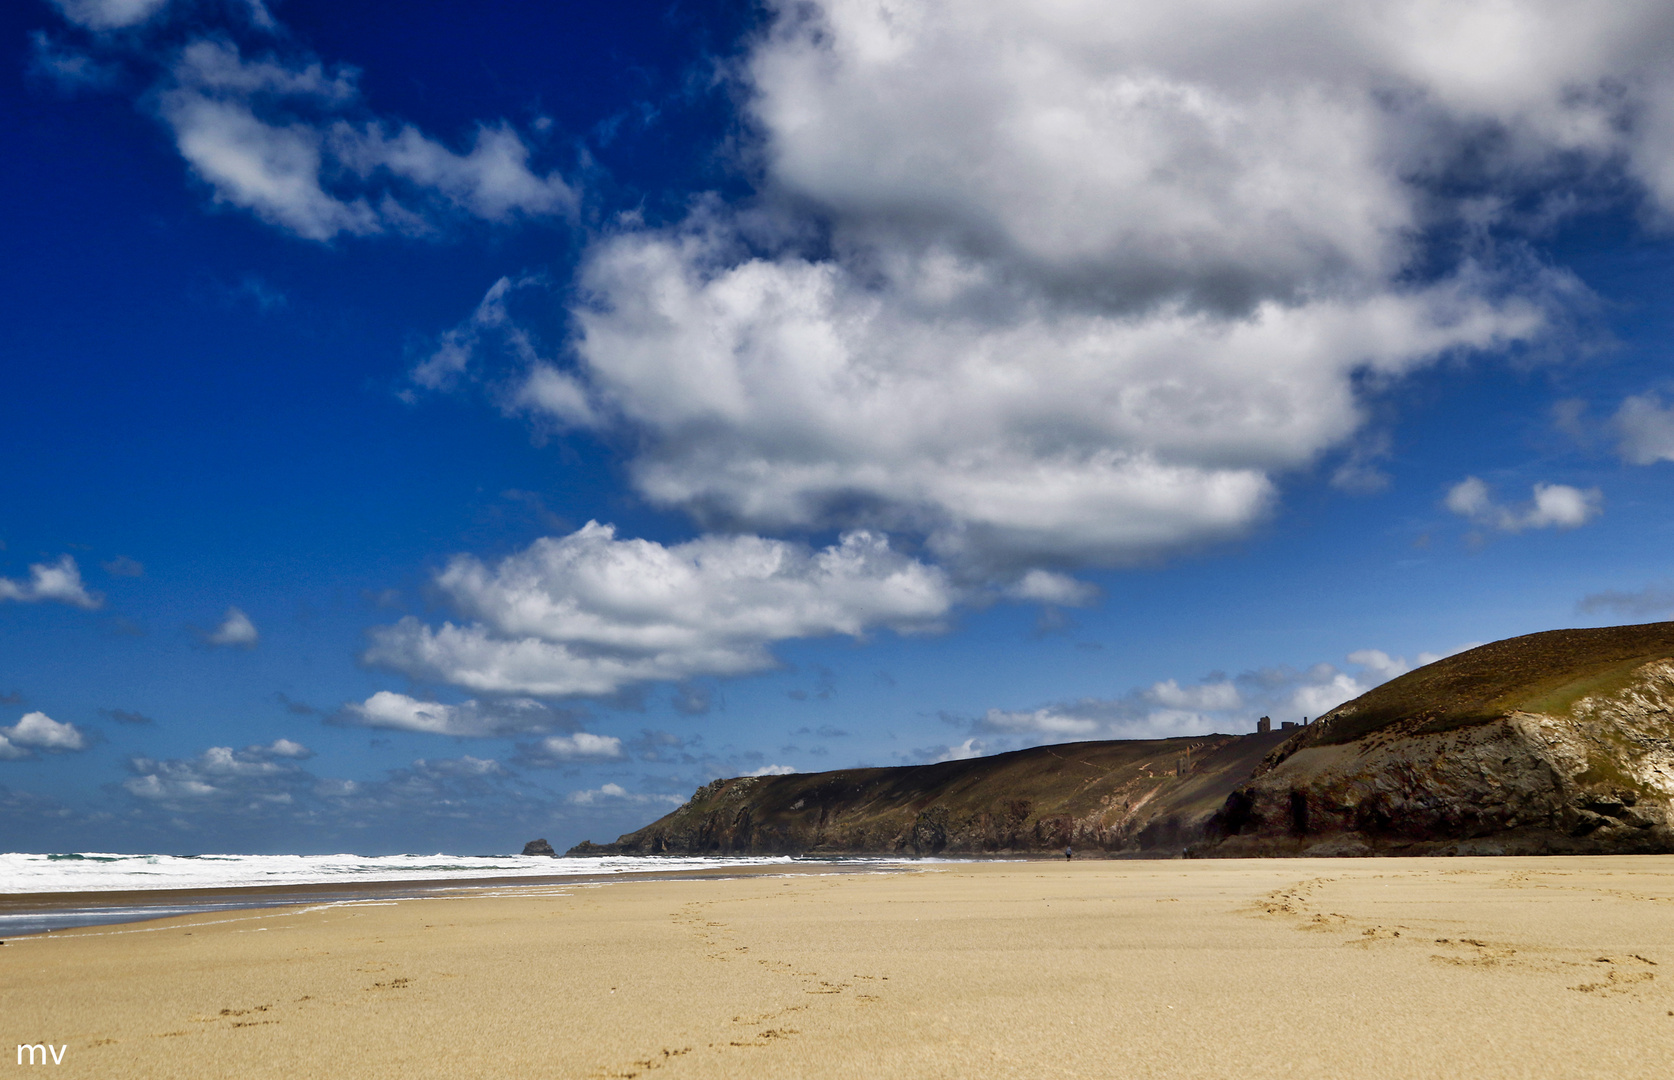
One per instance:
(1545, 673)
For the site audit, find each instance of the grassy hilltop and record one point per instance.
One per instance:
(1537, 673)
(1560, 741)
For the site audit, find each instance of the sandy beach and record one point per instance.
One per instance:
(1278, 968)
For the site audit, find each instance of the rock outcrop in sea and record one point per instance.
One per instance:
(539, 847)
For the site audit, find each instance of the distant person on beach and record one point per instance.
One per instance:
(1068, 852)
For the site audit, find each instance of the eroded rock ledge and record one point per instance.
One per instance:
(1561, 742)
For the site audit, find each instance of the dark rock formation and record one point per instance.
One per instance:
(1551, 743)
(539, 847)
(1134, 797)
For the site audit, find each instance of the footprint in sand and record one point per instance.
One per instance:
(1625, 975)
(393, 984)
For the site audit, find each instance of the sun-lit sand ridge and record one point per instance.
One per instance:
(1525, 967)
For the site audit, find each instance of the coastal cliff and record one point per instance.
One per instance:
(1552, 743)
(1135, 797)
(1558, 742)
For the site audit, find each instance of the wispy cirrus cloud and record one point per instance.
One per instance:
(281, 134)
(283, 139)
(130, 717)
(70, 70)
(1654, 599)
(490, 339)
(123, 566)
(103, 15)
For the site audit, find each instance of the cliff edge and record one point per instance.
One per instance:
(1132, 797)
(1552, 743)
(1557, 742)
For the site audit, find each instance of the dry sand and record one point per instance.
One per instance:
(1284, 968)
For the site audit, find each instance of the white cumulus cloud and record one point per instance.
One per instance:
(1558, 506)
(387, 709)
(256, 776)
(269, 784)
(1380, 667)
(1169, 708)
(1645, 430)
(1048, 720)
(970, 748)
(59, 581)
(589, 614)
(1090, 276)
(1217, 696)
(38, 731)
(287, 748)
(235, 630)
(581, 746)
(617, 795)
(785, 392)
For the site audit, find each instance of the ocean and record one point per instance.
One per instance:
(103, 872)
(184, 884)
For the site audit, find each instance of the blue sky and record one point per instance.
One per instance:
(429, 434)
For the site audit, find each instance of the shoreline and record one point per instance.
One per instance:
(1301, 969)
(26, 914)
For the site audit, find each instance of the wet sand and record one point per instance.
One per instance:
(1282, 968)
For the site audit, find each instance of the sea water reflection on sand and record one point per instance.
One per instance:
(33, 886)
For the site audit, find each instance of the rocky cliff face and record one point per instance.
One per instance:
(1551, 743)
(1561, 742)
(1137, 797)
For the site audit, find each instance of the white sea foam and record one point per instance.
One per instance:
(102, 872)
